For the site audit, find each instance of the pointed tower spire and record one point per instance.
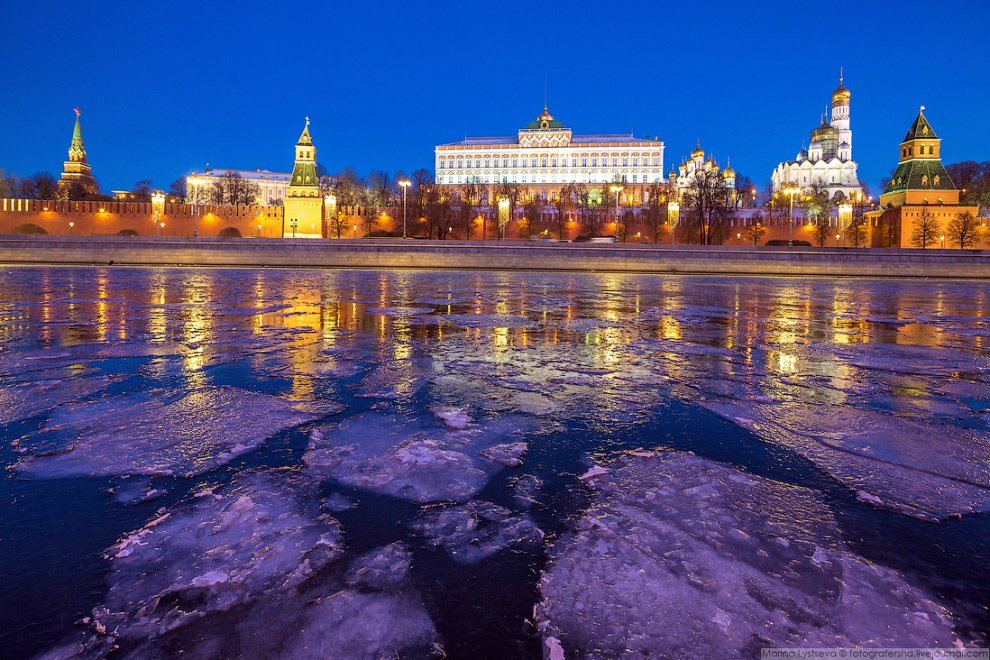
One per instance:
(77, 150)
(76, 170)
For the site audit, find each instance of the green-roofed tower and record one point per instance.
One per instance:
(75, 171)
(303, 203)
(920, 176)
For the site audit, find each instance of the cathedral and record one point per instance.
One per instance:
(827, 162)
(76, 170)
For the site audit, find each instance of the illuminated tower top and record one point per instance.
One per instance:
(77, 150)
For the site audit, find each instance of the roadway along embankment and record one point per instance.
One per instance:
(493, 255)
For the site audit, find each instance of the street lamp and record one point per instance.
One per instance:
(71, 225)
(942, 238)
(404, 184)
(615, 191)
(673, 209)
(292, 223)
(790, 192)
(845, 214)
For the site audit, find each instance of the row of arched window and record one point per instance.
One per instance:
(545, 160)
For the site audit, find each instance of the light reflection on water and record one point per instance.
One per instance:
(273, 330)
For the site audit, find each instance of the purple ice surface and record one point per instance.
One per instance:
(683, 557)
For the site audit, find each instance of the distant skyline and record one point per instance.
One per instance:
(165, 89)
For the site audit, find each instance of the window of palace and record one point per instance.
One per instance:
(615, 160)
(635, 160)
(625, 160)
(543, 161)
(487, 163)
(553, 177)
(594, 161)
(477, 161)
(469, 163)
(573, 161)
(656, 160)
(515, 163)
(553, 162)
(543, 178)
(584, 161)
(634, 178)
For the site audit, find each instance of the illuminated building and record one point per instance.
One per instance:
(827, 163)
(920, 186)
(270, 187)
(303, 202)
(76, 169)
(546, 155)
(689, 169)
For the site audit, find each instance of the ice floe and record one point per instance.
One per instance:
(471, 532)
(410, 457)
(682, 557)
(157, 433)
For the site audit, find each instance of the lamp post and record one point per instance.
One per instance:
(292, 223)
(71, 225)
(942, 238)
(790, 192)
(404, 184)
(845, 213)
(672, 210)
(615, 191)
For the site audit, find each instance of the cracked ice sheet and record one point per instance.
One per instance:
(923, 470)
(245, 573)
(157, 433)
(474, 531)
(413, 458)
(23, 400)
(681, 557)
(219, 550)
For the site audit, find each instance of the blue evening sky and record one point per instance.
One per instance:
(166, 87)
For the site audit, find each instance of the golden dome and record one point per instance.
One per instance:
(729, 173)
(698, 153)
(840, 94)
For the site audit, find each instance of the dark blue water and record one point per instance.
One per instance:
(263, 330)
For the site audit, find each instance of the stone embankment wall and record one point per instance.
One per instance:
(509, 255)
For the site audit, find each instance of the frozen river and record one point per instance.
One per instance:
(216, 463)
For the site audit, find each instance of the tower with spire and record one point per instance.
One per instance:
(303, 215)
(920, 188)
(827, 164)
(76, 171)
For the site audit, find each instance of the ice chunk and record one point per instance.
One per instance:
(452, 417)
(159, 432)
(214, 553)
(893, 458)
(476, 530)
(509, 454)
(408, 457)
(490, 320)
(727, 563)
(384, 569)
(24, 400)
(401, 378)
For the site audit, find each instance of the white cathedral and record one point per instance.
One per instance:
(827, 162)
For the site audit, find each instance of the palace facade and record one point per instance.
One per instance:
(827, 163)
(546, 154)
(270, 187)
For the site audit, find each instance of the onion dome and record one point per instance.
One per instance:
(845, 145)
(729, 173)
(815, 144)
(802, 155)
(698, 153)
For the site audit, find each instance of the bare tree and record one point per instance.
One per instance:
(231, 189)
(509, 192)
(178, 188)
(856, 231)
(823, 229)
(42, 185)
(889, 228)
(755, 229)
(708, 198)
(378, 190)
(563, 201)
(962, 230)
(531, 217)
(925, 230)
(655, 215)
